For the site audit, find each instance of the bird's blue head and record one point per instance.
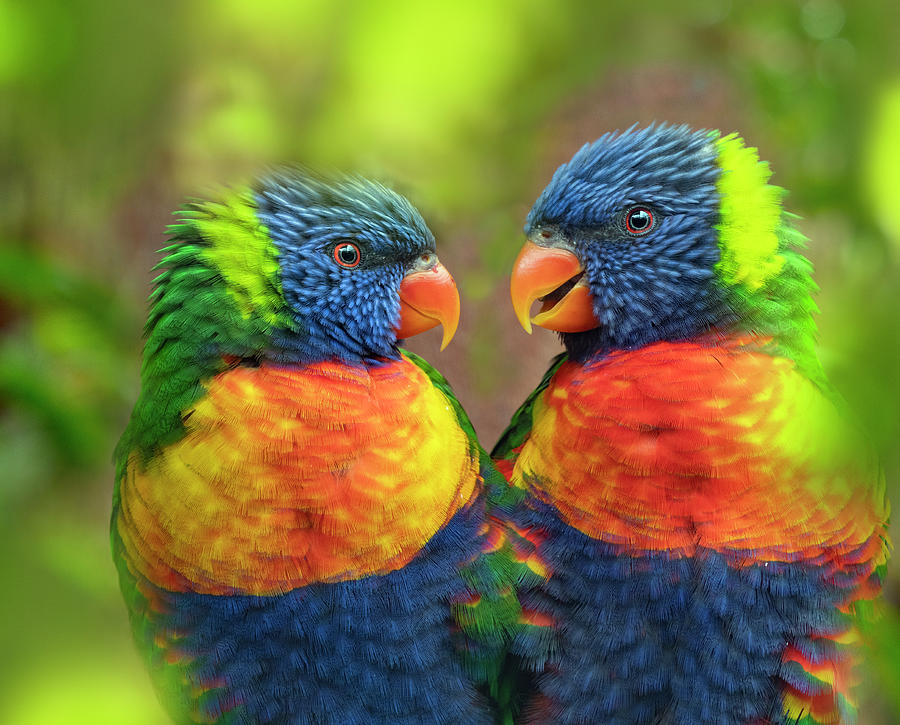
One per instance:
(660, 233)
(354, 260)
(300, 268)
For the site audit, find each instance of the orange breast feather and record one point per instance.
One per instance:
(680, 445)
(288, 476)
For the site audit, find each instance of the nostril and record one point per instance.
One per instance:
(427, 260)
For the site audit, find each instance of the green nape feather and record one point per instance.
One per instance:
(216, 302)
(768, 280)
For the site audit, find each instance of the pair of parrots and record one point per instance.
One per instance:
(680, 525)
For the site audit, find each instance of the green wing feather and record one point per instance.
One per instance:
(440, 382)
(520, 424)
(493, 617)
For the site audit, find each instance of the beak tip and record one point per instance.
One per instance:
(449, 332)
(524, 317)
(451, 322)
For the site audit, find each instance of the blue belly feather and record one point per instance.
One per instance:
(381, 649)
(644, 638)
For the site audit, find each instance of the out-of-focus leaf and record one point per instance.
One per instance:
(84, 691)
(61, 360)
(16, 40)
(882, 162)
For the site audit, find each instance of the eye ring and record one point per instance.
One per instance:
(347, 255)
(639, 220)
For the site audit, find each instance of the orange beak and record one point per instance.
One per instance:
(557, 277)
(428, 298)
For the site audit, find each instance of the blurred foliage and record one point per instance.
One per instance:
(111, 113)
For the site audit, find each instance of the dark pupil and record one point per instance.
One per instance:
(639, 219)
(347, 254)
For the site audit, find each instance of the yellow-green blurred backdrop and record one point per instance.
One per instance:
(112, 112)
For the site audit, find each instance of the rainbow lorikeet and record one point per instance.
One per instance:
(299, 504)
(711, 523)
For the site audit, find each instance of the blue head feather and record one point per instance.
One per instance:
(340, 313)
(659, 286)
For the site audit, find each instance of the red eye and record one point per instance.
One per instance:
(639, 220)
(347, 255)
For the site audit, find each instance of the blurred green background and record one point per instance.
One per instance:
(112, 113)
